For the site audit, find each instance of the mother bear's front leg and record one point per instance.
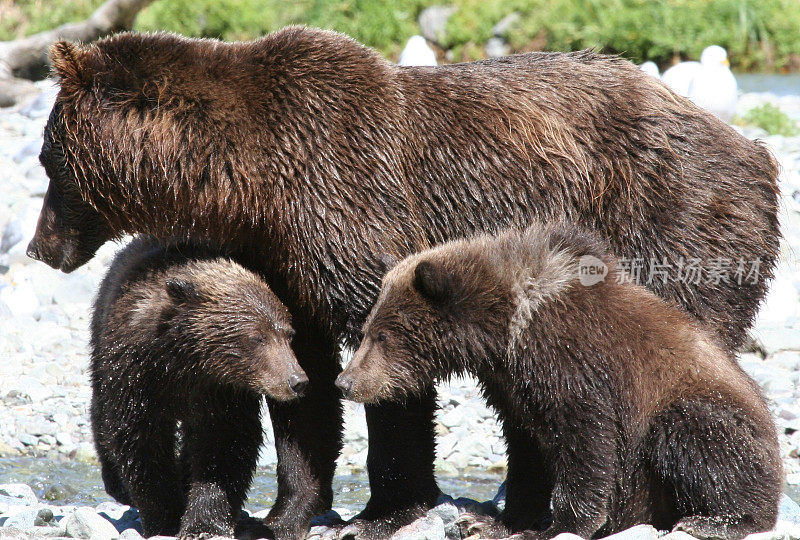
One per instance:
(402, 449)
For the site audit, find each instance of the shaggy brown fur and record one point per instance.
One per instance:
(628, 411)
(180, 336)
(310, 155)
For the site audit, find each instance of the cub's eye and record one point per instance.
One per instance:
(258, 340)
(381, 337)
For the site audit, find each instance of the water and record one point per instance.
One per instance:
(64, 482)
(780, 85)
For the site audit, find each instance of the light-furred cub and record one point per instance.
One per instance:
(627, 409)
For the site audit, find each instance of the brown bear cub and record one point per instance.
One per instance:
(627, 409)
(184, 344)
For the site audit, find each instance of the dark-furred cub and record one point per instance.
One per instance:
(184, 343)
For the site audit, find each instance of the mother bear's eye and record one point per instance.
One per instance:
(381, 337)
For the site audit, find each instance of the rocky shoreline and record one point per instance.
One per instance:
(44, 314)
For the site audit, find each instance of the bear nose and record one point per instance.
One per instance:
(345, 383)
(298, 383)
(33, 250)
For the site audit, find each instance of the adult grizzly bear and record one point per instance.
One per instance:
(626, 410)
(311, 156)
(180, 334)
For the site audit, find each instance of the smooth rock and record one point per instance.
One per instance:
(677, 535)
(86, 523)
(17, 494)
(22, 520)
(86, 453)
(505, 24)
(28, 150)
(496, 47)
(430, 527)
(639, 532)
(41, 106)
(20, 298)
(12, 234)
(64, 439)
(76, 288)
(769, 535)
(568, 536)
(788, 510)
(15, 90)
(789, 360)
(130, 534)
(448, 512)
(791, 531)
(433, 22)
(453, 418)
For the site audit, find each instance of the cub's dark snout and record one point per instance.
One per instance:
(33, 250)
(345, 383)
(298, 383)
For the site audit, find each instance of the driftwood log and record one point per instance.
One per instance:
(25, 60)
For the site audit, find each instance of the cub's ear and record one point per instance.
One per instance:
(182, 291)
(69, 63)
(386, 262)
(434, 282)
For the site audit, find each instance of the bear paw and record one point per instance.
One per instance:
(716, 527)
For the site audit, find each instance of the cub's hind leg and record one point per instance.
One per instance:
(722, 467)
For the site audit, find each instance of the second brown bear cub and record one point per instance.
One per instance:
(184, 344)
(617, 407)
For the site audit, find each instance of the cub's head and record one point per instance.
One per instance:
(438, 314)
(237, 329)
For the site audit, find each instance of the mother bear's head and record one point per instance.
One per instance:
(149, 134)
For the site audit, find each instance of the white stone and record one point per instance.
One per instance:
(639, 532)
(453, 418)
(678, 535)
(793, 479)
(18, 492)
(769, 535)
(76, 288)
(64, 439)
(130, 534)
(786, 359)
(22, 520)
(86, 523)
(568, 536)
(20, 297)
(430, 527)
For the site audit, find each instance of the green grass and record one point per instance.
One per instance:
(771, 119)
(759, 34)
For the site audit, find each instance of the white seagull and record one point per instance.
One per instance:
(709, 83)
(417, 53)
(651, 69)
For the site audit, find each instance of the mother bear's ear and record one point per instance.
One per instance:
(69, 62)
(435, 282)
